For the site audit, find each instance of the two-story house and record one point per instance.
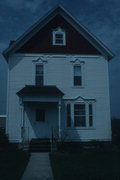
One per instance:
(58, 82)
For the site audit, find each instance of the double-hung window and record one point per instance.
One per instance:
(68, 115)
(59, 37)
(39, 75)
(77, 75)
(79, 115)
(90, 115)
(83, 115)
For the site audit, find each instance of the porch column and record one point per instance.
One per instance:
(22, 121)
(59, 118)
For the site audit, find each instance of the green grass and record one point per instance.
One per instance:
(89, 165)
(12, 163)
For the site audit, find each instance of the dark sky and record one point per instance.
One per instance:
(101, 17)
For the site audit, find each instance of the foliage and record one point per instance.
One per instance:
(86, 165)
(12, 162)
(3, 138)
(116, 131)
(69, 146)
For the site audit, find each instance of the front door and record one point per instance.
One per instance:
(42, 126)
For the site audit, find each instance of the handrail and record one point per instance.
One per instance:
(53, 139)
(25, 137)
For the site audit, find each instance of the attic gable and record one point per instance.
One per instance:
(60, 13)
(41, 42)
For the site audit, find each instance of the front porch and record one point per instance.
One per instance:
(40, 113)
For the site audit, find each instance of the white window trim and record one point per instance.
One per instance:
(87, 127)
(37, 64)
(59, 30)
(78, 63)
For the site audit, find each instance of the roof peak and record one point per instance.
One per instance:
(58, 9)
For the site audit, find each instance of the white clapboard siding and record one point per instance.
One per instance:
(59, 71)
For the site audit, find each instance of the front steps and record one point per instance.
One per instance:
(41, 145)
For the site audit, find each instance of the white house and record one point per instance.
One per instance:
(58, 82)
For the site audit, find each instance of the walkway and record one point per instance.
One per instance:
(38, 168)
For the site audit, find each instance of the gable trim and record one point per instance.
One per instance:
(71, 20)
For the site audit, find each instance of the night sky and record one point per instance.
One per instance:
(101, 17)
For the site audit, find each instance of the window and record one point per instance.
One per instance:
(83, 115)
(39, 74)
(77, 75)
(40, 115)
(59, 37)
(90, 115)
(79, 115)
(68, 115)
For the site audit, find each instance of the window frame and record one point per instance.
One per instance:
(68, 115)
(91, 114)
(81, 76)
(42, 118)
(87, 115)
(79, 115)
(58, 31)
(42, 83)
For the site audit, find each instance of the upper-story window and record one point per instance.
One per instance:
(59, 37)
(39, 74)
(77, 75)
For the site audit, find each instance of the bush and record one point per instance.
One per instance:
(3, 138)
(70, 146)
(116, 131)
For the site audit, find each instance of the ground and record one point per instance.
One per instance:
(95, 164)
(12, 163)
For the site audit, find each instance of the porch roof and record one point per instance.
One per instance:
(39, 90)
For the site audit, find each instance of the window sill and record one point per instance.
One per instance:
(80, 128)
(78, 87)
(59, 44)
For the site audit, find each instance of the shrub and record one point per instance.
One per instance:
(116, 131)
(3, 138)
(70, 146)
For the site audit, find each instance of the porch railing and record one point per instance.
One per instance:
(53, 141)
(25, 138)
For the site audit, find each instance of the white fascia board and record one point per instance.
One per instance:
(47, 55)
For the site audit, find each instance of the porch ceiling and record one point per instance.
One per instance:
(40, 91)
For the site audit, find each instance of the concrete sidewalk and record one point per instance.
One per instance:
(38, 168)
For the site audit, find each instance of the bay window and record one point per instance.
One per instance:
(80, 114)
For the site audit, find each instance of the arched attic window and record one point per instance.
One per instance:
(59, 37)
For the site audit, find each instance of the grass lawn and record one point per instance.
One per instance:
(12, 163)
(86, 164)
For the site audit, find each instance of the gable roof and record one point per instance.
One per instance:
(39, 90)
(58, 10)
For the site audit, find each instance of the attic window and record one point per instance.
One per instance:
(59, 37)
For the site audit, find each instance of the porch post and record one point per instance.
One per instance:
(22, 122)
(59, 118)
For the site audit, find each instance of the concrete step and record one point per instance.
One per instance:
(40, 145)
